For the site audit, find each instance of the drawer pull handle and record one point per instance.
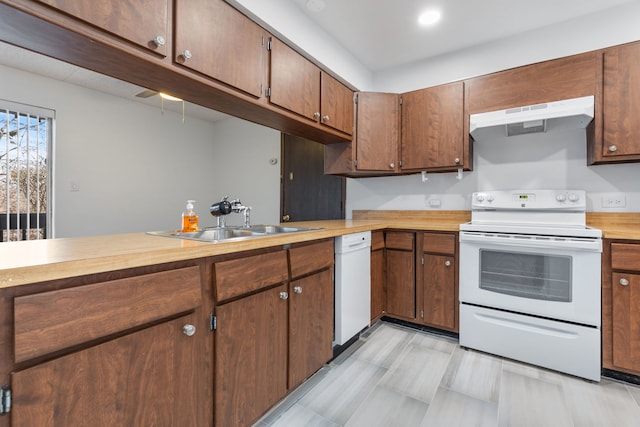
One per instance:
(297, 289)
(189, 330)
(624, 282)
(159, 41)
(284, 295)
(447, 263)
(613, 148)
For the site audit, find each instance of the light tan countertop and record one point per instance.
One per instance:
(42, 260)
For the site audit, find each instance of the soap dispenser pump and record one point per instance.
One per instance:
(189, 218)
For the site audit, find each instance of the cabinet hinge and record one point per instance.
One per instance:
(268, 92)
(400, 163)
(213, 322)
(261, 40)
(355, 163)
(422, 314)
(269, 44)
(400, 100)
(355, 98)
(422, 260)
(5, 400)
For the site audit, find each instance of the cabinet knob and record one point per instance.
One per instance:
(159, 41)
(624, 282)
(189, 330)
(325, 118)
(447, 263)
(613, 148)
(392, 165)
(284, 295)
(297, 289)
(186, 54)
(286, 218)
(457, 160)
(316, 115)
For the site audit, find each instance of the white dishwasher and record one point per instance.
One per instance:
(352, 285)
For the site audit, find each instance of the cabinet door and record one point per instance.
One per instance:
(139, 21)
(377, 131)
(401, 290)
(336, 104)
(224, 44)
(626, 321)
(310, 325)
(378, 292)
(150, 377)
(250, 356)
(432, 128)
(294, 81)
(620, 107)
(439, 291)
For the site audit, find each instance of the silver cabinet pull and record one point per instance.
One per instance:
(392, 165)
(189, 330)
(447, 263)
(624, 282)
(316, 115)
(613, 148)
(284, 295)
(159, 41)
(186, 54)
(325, 118)
(297, 289)
(457, 160)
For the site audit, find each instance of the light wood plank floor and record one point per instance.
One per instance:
(396, 376)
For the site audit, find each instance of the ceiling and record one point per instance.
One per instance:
(381, 34)
(384, 34)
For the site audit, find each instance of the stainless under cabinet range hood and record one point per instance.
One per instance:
(569, 113)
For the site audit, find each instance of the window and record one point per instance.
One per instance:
(25, 178)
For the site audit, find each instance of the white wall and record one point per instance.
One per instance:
(136, 167)
(595, 31)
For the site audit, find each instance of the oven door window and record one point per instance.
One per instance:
(526, 275)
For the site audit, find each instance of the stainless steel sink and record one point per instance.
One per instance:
(232, 233)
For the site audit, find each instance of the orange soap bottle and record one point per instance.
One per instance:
(189, 218)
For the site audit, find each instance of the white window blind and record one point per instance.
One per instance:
(25, 180)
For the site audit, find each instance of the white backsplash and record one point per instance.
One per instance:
(555, 161)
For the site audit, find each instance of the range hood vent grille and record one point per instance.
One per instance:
(570, 113)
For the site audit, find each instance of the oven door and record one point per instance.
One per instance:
(557, 278)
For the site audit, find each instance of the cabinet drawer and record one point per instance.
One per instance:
(377, 240)
(309, 258)
(399, 240)
(56, 320)
(625, 256)
(439, 243)
(245, 275)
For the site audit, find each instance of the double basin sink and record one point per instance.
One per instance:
(235, 233)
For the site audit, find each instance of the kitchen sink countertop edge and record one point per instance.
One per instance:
(36, 261)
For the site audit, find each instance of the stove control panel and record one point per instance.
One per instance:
(573, 200)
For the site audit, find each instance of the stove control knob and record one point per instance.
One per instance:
(480, 197)
(489, 198)
(561, 197)
(573, 197)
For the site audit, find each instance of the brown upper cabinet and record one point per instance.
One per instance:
(433, 137)
(299, 86)
(374, 150)
(621, 110)
(216, 40)
(143, 22)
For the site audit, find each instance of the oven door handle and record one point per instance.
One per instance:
(522, 241)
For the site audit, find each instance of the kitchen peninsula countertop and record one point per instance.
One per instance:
(42, 260)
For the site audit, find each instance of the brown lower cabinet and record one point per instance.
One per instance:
(400, 274)
(621, 306)
(113, 352)
(270, 339)
(439, 306)
(378, 285)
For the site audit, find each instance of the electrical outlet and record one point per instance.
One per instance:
(614, 201)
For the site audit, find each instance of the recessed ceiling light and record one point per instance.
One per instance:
(429, 17)
(315, 5)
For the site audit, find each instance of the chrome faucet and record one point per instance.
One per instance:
(237, 207)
